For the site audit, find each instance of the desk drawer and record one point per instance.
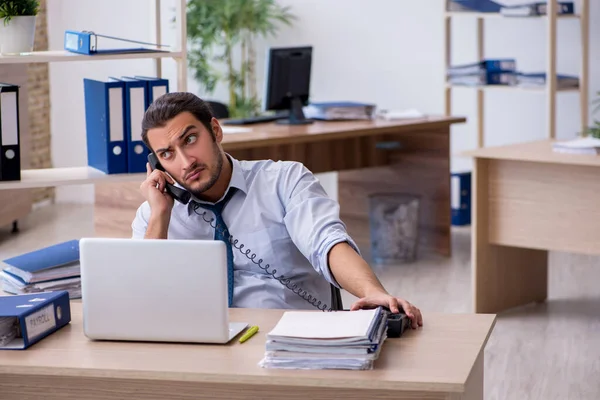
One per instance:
(325, 155)
(544, 206)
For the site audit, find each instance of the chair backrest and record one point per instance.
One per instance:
(219, 110)
(336, 299)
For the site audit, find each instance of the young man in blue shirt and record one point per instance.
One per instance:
(281, 221)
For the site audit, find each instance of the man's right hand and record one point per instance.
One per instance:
(154, 190)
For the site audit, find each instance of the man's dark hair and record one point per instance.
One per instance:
(169, 105)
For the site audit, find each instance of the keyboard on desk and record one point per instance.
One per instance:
(254, 120)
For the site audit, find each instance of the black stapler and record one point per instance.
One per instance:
(397, 324)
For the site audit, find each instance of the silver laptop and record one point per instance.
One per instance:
(155, 290)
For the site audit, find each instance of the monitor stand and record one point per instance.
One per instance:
(296, 116)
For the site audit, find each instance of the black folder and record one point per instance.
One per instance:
(10, 138)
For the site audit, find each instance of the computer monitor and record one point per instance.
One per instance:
(288, 82)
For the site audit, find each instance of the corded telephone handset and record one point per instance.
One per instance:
(177, 193)
(397, 323)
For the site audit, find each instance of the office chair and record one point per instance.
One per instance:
(219, 110)
(336, 299)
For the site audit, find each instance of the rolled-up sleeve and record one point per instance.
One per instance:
(312, 218)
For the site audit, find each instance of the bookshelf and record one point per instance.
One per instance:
(550, 89)
(65, 56)
(49, 177)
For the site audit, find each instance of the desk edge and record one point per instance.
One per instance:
(199, 378)
(341, 134)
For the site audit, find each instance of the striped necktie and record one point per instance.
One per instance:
(222, 233)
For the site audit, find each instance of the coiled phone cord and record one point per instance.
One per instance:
(282, 279)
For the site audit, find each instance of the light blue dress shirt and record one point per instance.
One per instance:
(284, 216)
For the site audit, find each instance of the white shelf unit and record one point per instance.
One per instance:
(65, 56)
(49, 177)
(550, 89)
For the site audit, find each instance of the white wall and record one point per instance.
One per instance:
(390, 52)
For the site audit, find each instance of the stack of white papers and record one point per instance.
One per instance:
(342, 110)
(585, 145)
(14, 285)
(8, 329)
(326, 340)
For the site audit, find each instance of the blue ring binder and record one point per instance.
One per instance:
(86, 42)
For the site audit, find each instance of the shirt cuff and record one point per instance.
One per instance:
(324, 256)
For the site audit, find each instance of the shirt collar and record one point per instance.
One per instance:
(237, 181)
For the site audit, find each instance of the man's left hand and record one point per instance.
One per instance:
(393, 303)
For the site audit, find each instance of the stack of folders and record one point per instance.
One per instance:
(482, 6)
(536, 8)
(47, 269)
(329, 340)
(114, 110)
(538, 79)
(339, 111)
(484, 72)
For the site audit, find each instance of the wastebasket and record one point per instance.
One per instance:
(394, 227)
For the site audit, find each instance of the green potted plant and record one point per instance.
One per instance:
(594, 130)
(222, 36)
(17, 29)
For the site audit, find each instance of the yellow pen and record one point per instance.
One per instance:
(249, 333)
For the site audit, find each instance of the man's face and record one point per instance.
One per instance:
(189, 152)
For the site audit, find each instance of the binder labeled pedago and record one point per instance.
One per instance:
(10, 138)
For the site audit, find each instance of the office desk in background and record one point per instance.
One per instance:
(528, 200)
(410, 156)
(442, 360)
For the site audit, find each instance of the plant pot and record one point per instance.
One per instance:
(17, 36)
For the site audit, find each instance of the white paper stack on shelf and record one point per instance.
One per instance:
(585, 145)
(326, 340)
(535, 8)
(538, 79)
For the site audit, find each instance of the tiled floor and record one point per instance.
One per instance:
(545, 351)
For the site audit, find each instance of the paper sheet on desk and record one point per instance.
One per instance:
(234, 129)
(342, 325)
(401, 114)
(585, 145)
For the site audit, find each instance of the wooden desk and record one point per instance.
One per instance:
(526, 201)
(371, 156)
(442, 360)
